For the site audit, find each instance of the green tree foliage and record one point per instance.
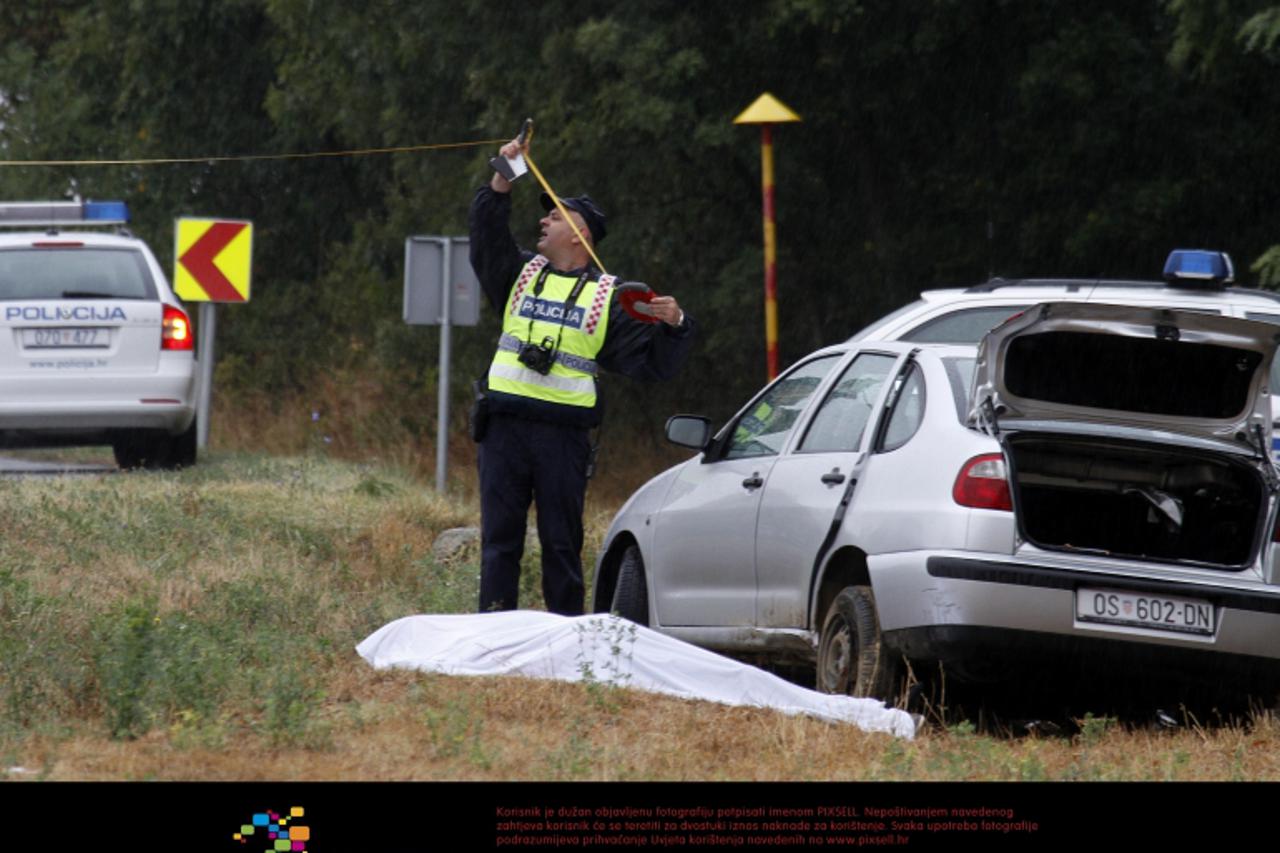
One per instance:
(1234, 43)
(1261, 33)
(942, 142)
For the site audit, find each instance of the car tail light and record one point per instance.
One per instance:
(175, 332)
(982, 484)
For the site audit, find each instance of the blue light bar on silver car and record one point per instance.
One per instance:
(54, 213)
(1199, 268)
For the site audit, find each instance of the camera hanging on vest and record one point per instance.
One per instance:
(540, 357)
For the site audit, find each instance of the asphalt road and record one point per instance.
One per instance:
(12, 466)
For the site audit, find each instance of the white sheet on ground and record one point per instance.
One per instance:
(609, 650)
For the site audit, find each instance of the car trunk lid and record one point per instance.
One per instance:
(68, 308)
(1092, 367)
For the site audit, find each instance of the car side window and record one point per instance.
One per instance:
(764, 428)
(840, 422)
(908, 411)
(960, 377)
(966, 326)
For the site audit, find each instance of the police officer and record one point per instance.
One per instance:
(561, 324)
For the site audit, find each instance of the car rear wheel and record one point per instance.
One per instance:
(155, 450)
(128, 451)
(851, 657)
(630, 595)
(182, 448)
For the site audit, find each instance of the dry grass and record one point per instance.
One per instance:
(202, 626)
(406, 726)
(351, 418)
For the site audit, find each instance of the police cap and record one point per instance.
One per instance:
(589, 210)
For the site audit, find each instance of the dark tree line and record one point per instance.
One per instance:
(942, 142)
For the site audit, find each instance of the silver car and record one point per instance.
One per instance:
(1090, 478)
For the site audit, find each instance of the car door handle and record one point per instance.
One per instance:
(755, 481)
(833, 477)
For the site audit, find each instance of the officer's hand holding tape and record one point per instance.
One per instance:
(509, 151)
(666, 309)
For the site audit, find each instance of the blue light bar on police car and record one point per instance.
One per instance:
(106, 211)
(1197, 267)
(54, 213)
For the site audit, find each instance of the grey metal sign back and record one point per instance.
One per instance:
(424, 278)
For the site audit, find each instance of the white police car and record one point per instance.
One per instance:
(94, 346)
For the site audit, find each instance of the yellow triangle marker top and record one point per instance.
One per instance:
(766, 109)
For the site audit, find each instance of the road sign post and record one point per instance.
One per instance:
(204, 351)
(440, 288)
(442, 403)
(212, 263)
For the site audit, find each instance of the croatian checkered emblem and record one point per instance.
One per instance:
(598, 305)
(530, 270)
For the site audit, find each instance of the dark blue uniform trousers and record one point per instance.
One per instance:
(523, 461)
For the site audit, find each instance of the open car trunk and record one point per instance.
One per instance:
(1134, 500)
(1132, 431)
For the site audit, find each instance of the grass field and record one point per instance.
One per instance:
(201, 625)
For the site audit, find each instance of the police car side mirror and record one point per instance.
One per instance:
(689, 431)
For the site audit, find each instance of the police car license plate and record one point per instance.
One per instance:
(65, 338)
(1142, 610)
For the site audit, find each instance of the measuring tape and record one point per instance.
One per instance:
(526, 136)
(245, 158)
(632, 296)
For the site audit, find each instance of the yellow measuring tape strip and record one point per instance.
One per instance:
(546, 187)
(312, 155)
(230, 158)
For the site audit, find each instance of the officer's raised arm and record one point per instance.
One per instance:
(495, 256)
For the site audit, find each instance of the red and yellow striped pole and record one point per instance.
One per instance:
(770, 253)
(767, 111)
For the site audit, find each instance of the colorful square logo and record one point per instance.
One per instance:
(281, 833)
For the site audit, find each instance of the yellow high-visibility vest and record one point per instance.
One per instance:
(538, 309)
